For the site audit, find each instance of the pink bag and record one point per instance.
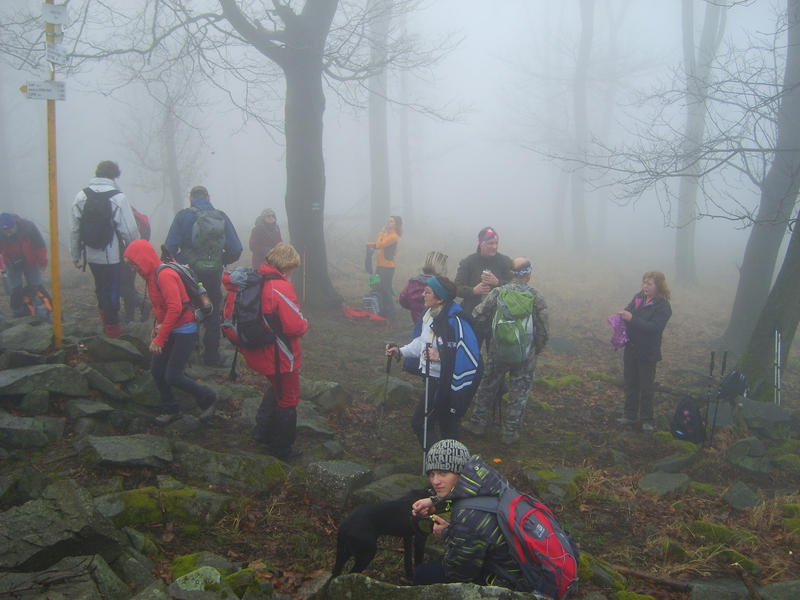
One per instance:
(620, 336)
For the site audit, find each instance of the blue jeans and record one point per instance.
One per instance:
(106, 288)
(33, 277)
(167, 370)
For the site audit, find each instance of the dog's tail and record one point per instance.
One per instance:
(343, 554)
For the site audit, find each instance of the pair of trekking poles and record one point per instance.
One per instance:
(428, 346)
(708, 394)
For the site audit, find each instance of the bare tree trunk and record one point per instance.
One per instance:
(697, 71)
(409, 220)
(579, 87)
(778, 197)
(380, 204)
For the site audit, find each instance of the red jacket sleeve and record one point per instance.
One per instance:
(279, 298)
(170, 309)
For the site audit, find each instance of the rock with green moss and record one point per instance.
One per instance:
(704, 488)
(673, 549)
(204, 579)
(792, 525)
(398, 393)
(792, 510)
(556, 485)
(750, 456)
(187, 563)
(249, 472)
(388, 488)
(730, 557)
(595, 570)
(789, 463)
(664, 484)
(188, 506)
(557, 383)
(718, 533)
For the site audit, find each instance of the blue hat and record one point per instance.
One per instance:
(7, 221)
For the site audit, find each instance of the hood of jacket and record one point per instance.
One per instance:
(202, 203)
(477, 479)
(268, 269)
(144, 255)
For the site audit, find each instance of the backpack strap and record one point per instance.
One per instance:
(160, 268)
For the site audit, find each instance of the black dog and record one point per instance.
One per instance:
(358, 533)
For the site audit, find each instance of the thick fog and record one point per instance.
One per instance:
(504, 91)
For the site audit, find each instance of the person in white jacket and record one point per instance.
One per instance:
(102, 227)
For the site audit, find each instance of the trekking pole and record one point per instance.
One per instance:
(777, 397)
(716, 405)
(232, 374)
(425, 418)
(708, 394)
(385, 394)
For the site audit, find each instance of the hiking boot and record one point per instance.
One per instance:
(626, 421)
(167, 419)
(476, 429)
(286, 455)
(208, 413)
(648, 427)
(509, 439)
(218, 363)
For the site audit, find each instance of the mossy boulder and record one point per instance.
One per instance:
(792, 525)
(628, 595)
(731, 556)
(673, 549)
(595, 570)
(187, 563)
(556, 485)
(703, 488)
(792, 510)
(187, 506)
(718, 533)
(204, 579)
(557, 383)
(249, 472)
(789, 463)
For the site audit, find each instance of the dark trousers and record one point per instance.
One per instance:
(438, 416)
(167, 370)
(106, 288)
(128, 292)
(212, 281)
(429, 573)
(33, 277)
(385, 291)
(640, 380)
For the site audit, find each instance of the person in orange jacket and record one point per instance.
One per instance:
(174, 336)
(387, 251)
(276, 419)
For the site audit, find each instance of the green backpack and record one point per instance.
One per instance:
(208, 240)
(513, 326)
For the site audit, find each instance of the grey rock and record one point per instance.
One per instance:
(741, 496)
(98, 381)
(784, 590)
(664, 483)
(104, 349)
(108, 583)
(188, 424)
(190, 506)
(215, 561)
(205, 583)
(8, 484)
(31, 484)
(325, 395)
(719, 589)
(335, 480)
(619, 458)
(141, 543)
(390, 488)
(42, 586)
(22, 432)
(143, 391)
(27, 338)
(132, 566)
(764, 419)
(136, 450)
(116, 372)
(15, 359)
(86, 426)
(724, 415)
(241, 470)
(554, 490)
(36, 402)
(82, 407)
(308, 419)
(155, 591)
(53, 427)
(398, 393)
(333, 450)
(63, 522)
(382, 471)
(749, 455)
(58, 379)
(356, 586)
(674, 464)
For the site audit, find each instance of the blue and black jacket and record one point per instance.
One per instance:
(179, 237)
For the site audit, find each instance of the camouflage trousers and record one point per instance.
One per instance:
(520, 380)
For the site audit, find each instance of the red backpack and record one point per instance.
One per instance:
(142, 224)
(547, 555)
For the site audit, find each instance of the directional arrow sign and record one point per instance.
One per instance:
(56, 53)
(46, 90)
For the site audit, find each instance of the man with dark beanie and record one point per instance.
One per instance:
(479, 273)
(475, 550)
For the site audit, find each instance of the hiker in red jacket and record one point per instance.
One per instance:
(23, 253)
(276, 419)
(174, 336)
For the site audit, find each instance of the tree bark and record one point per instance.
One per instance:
(778, 197)
(380, 205)
(782, 306)
(697, 70)
(580, 80)
(172, 172)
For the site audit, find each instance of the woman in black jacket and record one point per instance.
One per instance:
(645, 316)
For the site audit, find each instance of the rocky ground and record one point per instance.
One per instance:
(285, 530)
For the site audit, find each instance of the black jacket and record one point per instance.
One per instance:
(646, 326)
(469, 275)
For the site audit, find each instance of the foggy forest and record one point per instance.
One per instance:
(601, 139)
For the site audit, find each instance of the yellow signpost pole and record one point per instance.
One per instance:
(55, 262)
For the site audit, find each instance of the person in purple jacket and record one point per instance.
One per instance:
(411, 296)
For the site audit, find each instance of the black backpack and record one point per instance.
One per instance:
(687, 422)
(97, 227)
(243, 323)
(733, 385)
(199, 302)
